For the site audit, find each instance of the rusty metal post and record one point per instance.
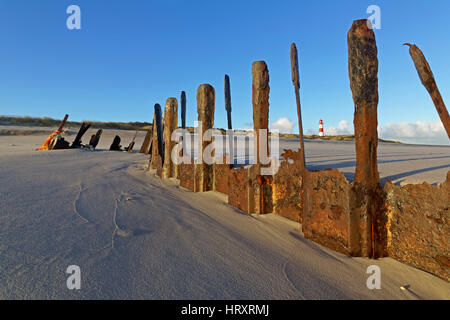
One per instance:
(205, 108)
(183, 121)
(230, 126)
(366, 189)
(157, 143)
(170, 125)
(427, 79)
(260, 99)
(296, 83)
(183, 109)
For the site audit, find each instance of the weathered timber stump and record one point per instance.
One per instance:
(170, 125)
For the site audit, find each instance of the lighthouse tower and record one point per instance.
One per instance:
(321, 128)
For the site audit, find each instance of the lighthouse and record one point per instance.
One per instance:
(321, 128)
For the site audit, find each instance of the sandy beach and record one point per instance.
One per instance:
(135, 236)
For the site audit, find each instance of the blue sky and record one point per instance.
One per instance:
(130, 55)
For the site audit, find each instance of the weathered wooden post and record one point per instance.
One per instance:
(157, 143)
(131, 145)
(204, 173)
(296, 83)
(366, 190)
(95, 139)
(145, 148)
(77, 142)
(260, 99)
(427, 79)
(230, 126)
(170, 125)
(260, 193)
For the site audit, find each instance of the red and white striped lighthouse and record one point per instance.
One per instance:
(321, 128)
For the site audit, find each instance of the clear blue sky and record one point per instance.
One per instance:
(130, 55)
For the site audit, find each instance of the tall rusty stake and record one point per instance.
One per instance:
(157, 143)
(260, 100)
(228, 101)
(296, 83)
(183, 120)
(363, 73)
(183, 109)
(230, 126)
(205, 108)
(170, 125)
(427, 79)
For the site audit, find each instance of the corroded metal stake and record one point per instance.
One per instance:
(427, 79)
(296, 83)
(230, 126)
(363, 73)
(183, 121)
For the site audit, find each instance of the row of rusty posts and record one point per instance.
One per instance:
(366, 200)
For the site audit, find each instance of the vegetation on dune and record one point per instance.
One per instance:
(142, 126)
(50, 122)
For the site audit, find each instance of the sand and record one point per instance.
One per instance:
(135, 236)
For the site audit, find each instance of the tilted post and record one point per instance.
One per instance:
(427, 79)
(230, 126)
(49, 139)
(296, 83)
(366, 189)
(145, 148)
(170, 125)
(205, 108)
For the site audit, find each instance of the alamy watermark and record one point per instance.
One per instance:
(374, 280)
(74, 20)
(374, 21)
(234, 149)
(74, 280)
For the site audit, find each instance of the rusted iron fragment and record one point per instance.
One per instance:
(427, 78)
(288, 187)
(249, 191)
(363, 73)
(326, 209)
(238, 189)
(260, 100)
(221, 176)
(418, 225)
(187, 176)
(170, 125)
